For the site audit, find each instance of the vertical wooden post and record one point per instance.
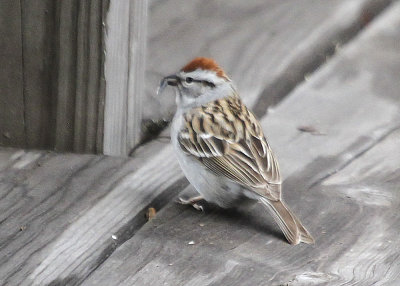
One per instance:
(90, 77)
(125, 45)
(137, 61)
(38, 32)
(63, 82)
(66, 63)
(72, 75)
(79, 89)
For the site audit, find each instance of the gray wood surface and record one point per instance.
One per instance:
(70, 219)
(52, 76)
(53, 80)
(124, 72)
(90, 92)
(38, 33)
(78, 92)
(66, 66)
(11, 75)
(59, 212)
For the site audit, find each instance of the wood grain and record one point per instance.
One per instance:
(124, 73)
(343, 185)
(38, 37)
(79, 84)
(66, 63)
(88, 129)
(59, 212)
(62, 75)
(12, 128)
(137, 66)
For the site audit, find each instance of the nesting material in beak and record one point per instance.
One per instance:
(168, 80)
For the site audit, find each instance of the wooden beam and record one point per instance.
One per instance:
(64, 90)
(66, 64)
(124, 73)
(137, 66)
(90, 77)
(38, 34)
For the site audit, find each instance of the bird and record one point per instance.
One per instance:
(221, 147)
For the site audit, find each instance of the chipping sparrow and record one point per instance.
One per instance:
(221, 147)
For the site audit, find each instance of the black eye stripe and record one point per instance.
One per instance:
(208, 83)
(205, 82)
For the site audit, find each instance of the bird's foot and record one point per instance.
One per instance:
(192, 201)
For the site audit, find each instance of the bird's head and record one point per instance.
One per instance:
(199, 82)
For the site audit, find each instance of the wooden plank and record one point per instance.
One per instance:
(96, 88)
(82, 75)
(38, 49)
(63, 77)
(116, 73)
(321, 44)
(11, 75)
(58, 212)
(124, 73)
(267, 47)
(63, 74)
(136, 78)
(102, 82)
(342, 184)
(90, 91)
(80, 88)
(66, 63)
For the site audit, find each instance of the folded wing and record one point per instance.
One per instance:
(227, 138)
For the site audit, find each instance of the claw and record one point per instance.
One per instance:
(182, 201)
(198, 207)
(192, 201)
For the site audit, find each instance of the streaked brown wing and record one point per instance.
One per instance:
(228, 140)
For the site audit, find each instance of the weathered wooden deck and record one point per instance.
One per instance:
(70, 219)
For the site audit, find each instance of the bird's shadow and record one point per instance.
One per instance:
(252, 217)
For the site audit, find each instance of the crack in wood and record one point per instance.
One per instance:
(136, 223)
(368, 146)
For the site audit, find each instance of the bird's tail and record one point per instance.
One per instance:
(290, 225)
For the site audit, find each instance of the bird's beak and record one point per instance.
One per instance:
(172, 80)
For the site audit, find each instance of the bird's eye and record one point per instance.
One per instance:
(189, 80)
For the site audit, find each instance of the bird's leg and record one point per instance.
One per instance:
(192, 201)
